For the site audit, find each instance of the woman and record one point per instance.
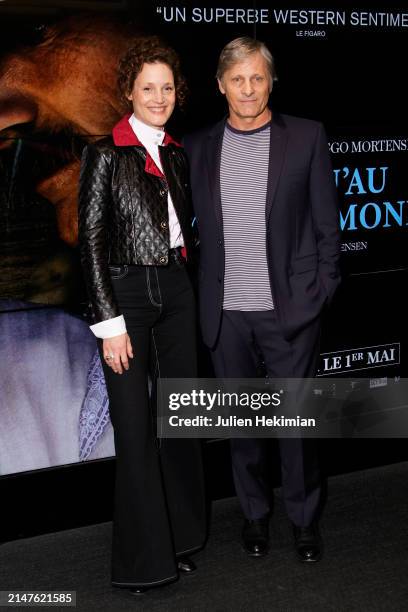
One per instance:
(135, 235)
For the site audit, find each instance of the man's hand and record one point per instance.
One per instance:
(116, 352)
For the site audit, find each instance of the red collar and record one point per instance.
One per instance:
(124, 136)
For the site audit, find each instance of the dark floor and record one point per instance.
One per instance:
(365, 566)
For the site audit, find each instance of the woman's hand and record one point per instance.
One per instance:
(117, 351)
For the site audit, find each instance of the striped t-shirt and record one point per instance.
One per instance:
(244, 177)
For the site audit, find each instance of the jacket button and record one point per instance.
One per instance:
(163, 224)
(163, 192)
(163, 260)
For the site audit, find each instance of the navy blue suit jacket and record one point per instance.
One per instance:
(301, 223)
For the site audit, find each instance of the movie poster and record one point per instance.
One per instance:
(340, 65)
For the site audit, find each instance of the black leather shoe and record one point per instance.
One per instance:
(255, 537)
(186, 565)
(307, 543)
(138, 590)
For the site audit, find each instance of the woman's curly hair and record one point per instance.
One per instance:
(149, 50)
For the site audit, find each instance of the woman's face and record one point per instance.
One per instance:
(153, 95)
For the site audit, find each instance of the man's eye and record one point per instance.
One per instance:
(146, 88)
(169, 88)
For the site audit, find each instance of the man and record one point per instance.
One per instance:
(266, 208)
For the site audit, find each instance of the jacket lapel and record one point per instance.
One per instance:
(124, 136)
(277, 152)
(213, 157)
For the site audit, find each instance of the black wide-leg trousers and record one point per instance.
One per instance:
(159, 509)
(244, 338)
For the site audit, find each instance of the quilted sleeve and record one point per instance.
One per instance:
(94, 204)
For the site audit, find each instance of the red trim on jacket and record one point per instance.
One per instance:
(124, 136)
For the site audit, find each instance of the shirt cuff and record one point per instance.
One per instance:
(109, 328)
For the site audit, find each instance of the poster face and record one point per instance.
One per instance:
(339, 65)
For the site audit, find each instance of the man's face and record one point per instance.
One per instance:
(55, 97)
(247, 86)
(153, 95)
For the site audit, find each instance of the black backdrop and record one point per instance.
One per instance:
(349, 76)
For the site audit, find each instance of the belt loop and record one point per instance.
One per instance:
(176, 255)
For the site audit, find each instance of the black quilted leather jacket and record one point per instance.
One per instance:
(123, 214)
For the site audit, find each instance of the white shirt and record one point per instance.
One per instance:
(151, 138)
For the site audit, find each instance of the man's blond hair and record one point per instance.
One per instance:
(239, 50)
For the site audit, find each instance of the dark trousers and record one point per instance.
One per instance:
(244, 337)
(159, 509)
